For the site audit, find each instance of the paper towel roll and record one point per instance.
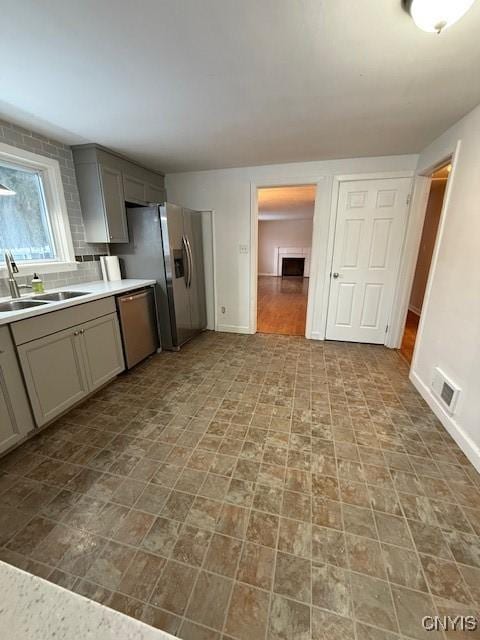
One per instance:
(103, 267)
(113, 268)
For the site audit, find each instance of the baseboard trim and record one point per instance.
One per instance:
(464, 441)
(415, 310)
(232, 328)
(316, 335)
(269, 274)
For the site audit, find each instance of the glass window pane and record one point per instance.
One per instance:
(24, 223)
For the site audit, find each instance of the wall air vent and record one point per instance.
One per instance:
(445, 390)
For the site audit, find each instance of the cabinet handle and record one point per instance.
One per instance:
(76, 333)
(82, 331)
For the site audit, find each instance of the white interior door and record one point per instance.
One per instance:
(370, 226)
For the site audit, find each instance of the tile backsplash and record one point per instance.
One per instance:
(88, 267)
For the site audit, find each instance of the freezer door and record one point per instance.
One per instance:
(196, 281)
(178, 272)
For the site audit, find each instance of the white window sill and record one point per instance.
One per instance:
(40, 268)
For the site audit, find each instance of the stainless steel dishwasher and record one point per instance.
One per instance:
(138, 324)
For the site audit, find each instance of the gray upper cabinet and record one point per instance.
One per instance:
(15, 416)
(105, 182)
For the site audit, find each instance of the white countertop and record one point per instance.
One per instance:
(33, 609)
(96, 290)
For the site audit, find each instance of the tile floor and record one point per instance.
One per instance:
(253, 487)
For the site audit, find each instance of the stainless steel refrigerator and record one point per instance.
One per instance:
(165, 244)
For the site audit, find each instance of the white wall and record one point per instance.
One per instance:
(228, 193)
(281, 233)
(449, 334)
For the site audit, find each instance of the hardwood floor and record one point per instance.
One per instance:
(282, 305)
(409, 336)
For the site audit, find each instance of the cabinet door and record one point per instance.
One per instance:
(15, 417)
(102, 348)
(154, 194)
(54, 372)
(114, 204)
(134, 189)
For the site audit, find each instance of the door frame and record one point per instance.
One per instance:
(408, 263)
(337, 182)
(318, 181)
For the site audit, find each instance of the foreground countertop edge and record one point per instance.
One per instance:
(96, 290)
(32, 608)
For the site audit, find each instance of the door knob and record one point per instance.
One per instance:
(336, 274)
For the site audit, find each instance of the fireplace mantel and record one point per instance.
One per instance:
(292, 252)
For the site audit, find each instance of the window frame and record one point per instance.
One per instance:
(56, 210)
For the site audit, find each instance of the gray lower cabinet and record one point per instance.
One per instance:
(63, 368)
(15, 416)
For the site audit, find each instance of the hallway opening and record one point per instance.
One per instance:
(285, 224)
(424, 259)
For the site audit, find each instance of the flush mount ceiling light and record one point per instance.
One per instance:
(436, 15)
(5, 191)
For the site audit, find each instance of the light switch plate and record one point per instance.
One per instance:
(243, 248)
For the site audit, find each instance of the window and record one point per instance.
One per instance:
(34, 222)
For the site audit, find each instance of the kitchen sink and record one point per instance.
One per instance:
(61, 295)
(16, 305)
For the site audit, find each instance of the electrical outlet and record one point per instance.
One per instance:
(223, 309)
(243, 248)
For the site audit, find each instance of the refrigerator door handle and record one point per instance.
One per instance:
(187, 255)
(190, 258)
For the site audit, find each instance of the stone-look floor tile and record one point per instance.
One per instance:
(393, 530)
(31, 536)
(297, 506)
(193, 631)
(411, 608)
(429, 540)
(450, 516)
(172, 592)
(222, 556)
(92, 591)
(288, 620)
(247, 614)
(359, 521)
(465, 548)
(162, 536)
(233, 521)
(365, 632)
(472, 580)
(403, 567)
(128, 492)
(204, 513)
(372, 602)
(328, 545)
(240, 492)
(191, 546)
(126, 605)
(296, 480)
(331, 589)
(292, 577)
(178, 505)
(418, 508)
(161, 619)
(365, 556)
(268, 499)
(214, 487)
(448, 609)
(354, 493)
(295, 537)
(473, 516)
(384, 500)
(325, 487)
(256, 566)
(326, 513)
(141, 576)
(153, 499)
(329, 626)
(209, 600)
(134, 527)
(110, 564)
(445, 580)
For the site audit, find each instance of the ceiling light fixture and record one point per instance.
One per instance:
(436, 15)
(5, 191)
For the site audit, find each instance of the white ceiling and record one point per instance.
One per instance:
(286, 203)
(198, 84)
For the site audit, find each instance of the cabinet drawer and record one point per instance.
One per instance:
(39, 326)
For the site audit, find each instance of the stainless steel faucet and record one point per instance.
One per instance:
(12, 269)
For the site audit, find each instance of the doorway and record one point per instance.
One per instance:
(285, 229)
(436, 196)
